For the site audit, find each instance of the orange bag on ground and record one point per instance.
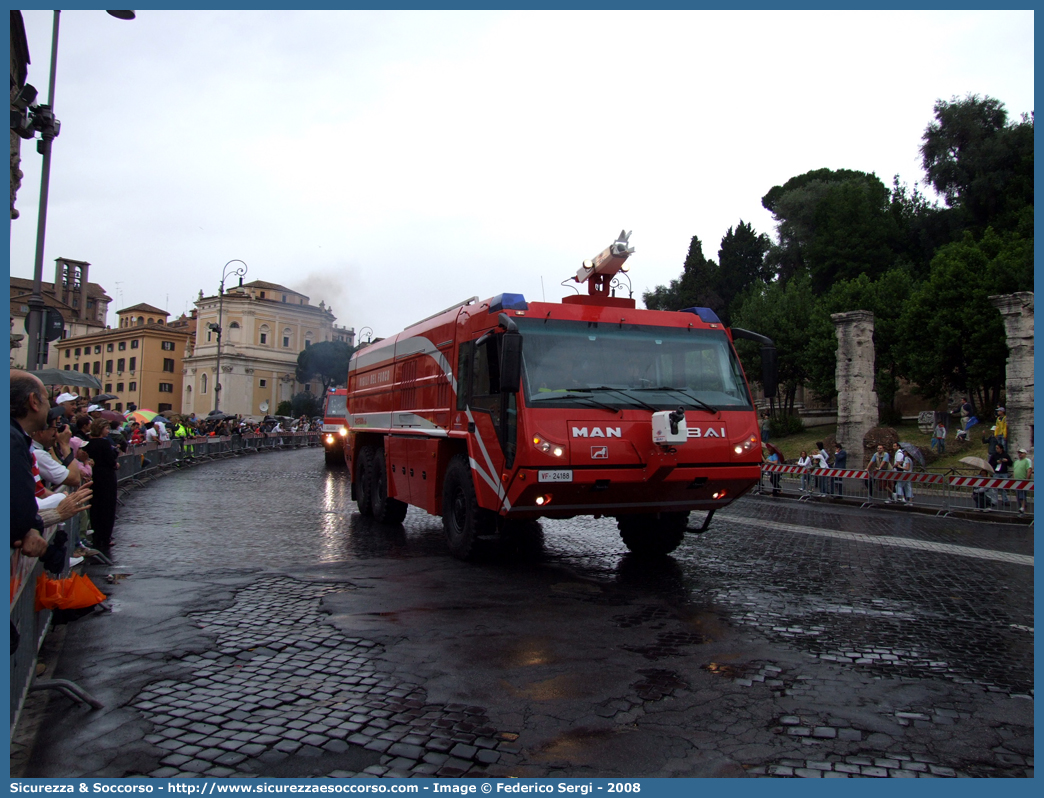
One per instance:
(72, 593)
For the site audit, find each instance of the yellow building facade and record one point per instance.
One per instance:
(264, 327)
(140, 361)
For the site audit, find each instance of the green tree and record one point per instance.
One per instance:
(741, 263)
(306, 404)
(981, 163)
(326, 361)
(834, 224)
(696, 288)
(954, 337)
(783, 312)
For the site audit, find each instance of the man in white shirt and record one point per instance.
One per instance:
(52, 472)
(151, 434)
(161, 429)
(902, 463)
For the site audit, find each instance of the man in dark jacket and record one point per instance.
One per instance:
(29, 408)
(840, 461)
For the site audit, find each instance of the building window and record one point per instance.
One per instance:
(76, 367)
(97, 349)
(133, 363)
(308, 388)
(97, 367)
(134, 344)
(122, 346)
(67, 351)
(166, 387)
(203, 383)
(108, 347)
(119, 406)
(133, 386)
(168, 346)
(286, 341)
(284, 297)
(168, 364)
(77, 352)
(262, 294)
(120, 364)
(119, 387)
(164, 406)
(108, 387)
(209, 333)
(263, 383)
(108, 368)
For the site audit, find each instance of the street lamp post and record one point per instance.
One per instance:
(225, 274)
(44, 121)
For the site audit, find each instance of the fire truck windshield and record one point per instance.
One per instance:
(580, 364)
(336, 406)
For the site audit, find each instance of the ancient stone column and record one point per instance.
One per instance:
(1017, 312)
(857, 410)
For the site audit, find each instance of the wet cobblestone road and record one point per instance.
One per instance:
(265, 629)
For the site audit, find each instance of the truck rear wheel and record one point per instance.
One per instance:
(653, 534)
(462, 518)
(364, 480)
(385, 509)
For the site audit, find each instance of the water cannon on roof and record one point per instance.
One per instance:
(598, 272)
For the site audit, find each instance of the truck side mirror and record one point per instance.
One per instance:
(510, 363)
(769, 371)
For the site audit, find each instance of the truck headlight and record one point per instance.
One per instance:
(747, 445)
(343, 431)
(547, 447)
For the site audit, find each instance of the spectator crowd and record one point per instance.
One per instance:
(884, 464)
(65, 460)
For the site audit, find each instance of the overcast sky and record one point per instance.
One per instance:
(394, 163)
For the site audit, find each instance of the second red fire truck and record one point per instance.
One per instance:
(504, 409)
(335, 428)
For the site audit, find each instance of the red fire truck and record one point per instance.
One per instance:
(335, 428)
(504, 409)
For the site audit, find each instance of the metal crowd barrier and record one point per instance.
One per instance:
(136, 465)
(146, 459)
(940, 492)
(32, 626)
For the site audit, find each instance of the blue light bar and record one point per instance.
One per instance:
(705, 314)
(508, 302)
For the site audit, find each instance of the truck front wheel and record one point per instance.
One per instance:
(364, 480)
(653, 534)
(385, 509)
(464, 521)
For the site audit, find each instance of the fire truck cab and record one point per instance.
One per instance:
(335, 428)
(505, 409)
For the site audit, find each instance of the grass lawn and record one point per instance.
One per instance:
(793, 445)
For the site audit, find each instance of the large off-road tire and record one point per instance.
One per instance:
(385, 509)
(364, 480)
(653, 534)
(462, 518)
